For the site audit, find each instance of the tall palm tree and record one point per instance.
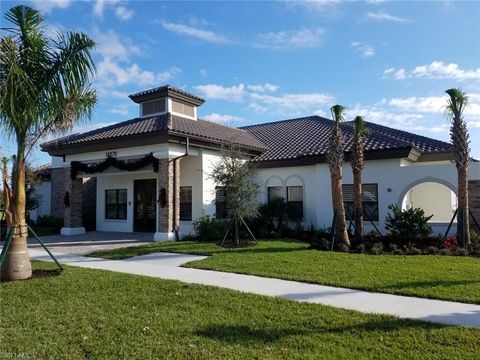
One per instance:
(335, 158)
(44, 88)
(358, 164)
(456, 104)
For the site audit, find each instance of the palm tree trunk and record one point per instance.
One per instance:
(337, 197)
(16, 265)
(357, 202)
(463, 221)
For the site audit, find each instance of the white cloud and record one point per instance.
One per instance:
(260, 98)
(48, 5)
(383, 16)
(111, 73)
(100, 5)
(123, 13)
(433, 104)
(201, 34)
(222, 118)
(387, 117)
(302, 38)
(400, 74)
(288, 104)
(219, 92)
(111, 45)
(375, 2)
(420, 114)
(316, 7)
(261, 88)
(441, 70)
(365, 49)
(435, 70)
(116, 68)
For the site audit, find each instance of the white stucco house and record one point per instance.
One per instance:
(150, 173)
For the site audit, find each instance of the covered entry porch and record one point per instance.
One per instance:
(144, 200)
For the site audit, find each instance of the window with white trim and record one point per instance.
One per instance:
(369, 201)
(186, 203)
(116, 204)
(274, 192)
(220, 203)
(295, 202)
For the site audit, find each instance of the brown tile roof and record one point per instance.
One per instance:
(276, 141)
(202, 129)
(308, 136)
(165, 91)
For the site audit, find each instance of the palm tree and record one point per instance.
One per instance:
(335, 157)
(44, 88)
(358, 164)
(456, 104)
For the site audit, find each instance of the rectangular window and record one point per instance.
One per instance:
(274, 192)
(116, 204)
(153, 107)
(220, 203)
(186, 203)
(295, 202)
(369, 201)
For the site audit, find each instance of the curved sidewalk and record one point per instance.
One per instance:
(167, 266)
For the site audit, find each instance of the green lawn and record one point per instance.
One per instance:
(439, 277)
(96, 314)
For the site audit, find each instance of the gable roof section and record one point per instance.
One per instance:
(170, 125)
(309, 136)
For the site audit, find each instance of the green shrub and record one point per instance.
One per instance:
(274, 214)
(49, 221)
(360, 248)
(414, 251)
(377, 249)
(407, 225)
(321, 244)
(190, 238)
(461, 252)
(343, 248)
(208, 228)
(431, 250)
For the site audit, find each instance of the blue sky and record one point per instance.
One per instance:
(257, 62)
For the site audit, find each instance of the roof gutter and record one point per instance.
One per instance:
(174, 162)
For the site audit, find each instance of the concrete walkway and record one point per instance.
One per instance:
(167, 266)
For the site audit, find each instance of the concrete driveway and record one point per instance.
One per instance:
(91, 241)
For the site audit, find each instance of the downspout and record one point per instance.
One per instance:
(174, 160)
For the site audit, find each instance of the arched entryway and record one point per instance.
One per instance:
(435, 196)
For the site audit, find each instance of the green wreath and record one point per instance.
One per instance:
(126, 165)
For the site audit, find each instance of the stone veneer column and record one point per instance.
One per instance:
(474, 201)
(165, 215)
(58, 191)
(72, 214)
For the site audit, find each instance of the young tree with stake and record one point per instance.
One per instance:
(44, 88)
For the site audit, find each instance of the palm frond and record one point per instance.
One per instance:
(338, 113)
(359, 125)
(456, 102)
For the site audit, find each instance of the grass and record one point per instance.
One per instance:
(97, 314)
(437, 277)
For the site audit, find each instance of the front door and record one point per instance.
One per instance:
(145, 206)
